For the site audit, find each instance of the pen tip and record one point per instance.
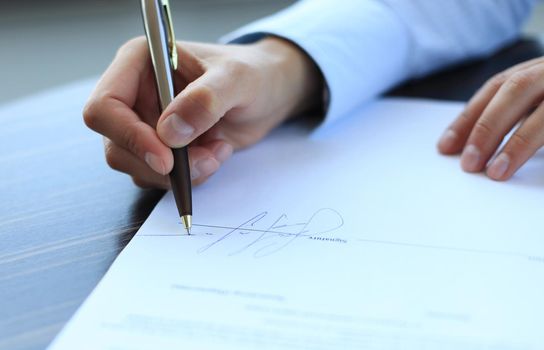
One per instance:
(186, 220)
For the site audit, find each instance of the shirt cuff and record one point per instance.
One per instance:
(346, 44)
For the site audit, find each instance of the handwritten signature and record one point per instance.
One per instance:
(277, 234)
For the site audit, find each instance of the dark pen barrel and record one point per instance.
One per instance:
(180, 179)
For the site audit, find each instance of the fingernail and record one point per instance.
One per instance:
(499, 166)
(154, 163)
(470, 159)
(447, 141)
(204, 167)
(223, 152)
(177, 131)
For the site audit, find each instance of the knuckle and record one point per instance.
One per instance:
(206, 98)
(464, 118)
(482, 129)
(91, 112)
(237, 68)
(496, 81)
(519, 81)
(130, 139)
(521, 140)
(244, 72)
(112, 156)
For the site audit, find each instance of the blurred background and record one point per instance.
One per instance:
(51, 42)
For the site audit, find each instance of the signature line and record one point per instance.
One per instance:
(232, 228)
(247, 229)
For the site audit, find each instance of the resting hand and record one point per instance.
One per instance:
(507, 99)
(231, 96)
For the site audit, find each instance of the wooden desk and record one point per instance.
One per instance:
(64, 215)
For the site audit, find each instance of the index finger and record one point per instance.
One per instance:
(110, 112)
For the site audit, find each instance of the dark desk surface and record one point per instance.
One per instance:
(64, 216)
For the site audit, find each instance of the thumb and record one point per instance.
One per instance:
(199, 107)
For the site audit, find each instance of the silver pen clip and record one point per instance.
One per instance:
(167, 20)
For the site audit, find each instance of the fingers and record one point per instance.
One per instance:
(523, 144)
(110, 113)
(142, 174)
(455, 136)
(490, 116)
(116, 121)
(124, 108)
(516, 96)
(204, 160)
(205, 101)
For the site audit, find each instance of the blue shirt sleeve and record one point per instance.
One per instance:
(365, 47)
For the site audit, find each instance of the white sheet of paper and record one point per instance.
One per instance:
(357, 236)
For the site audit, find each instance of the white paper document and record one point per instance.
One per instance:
(355, 236)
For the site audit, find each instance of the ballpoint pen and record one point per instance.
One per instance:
(162, 47)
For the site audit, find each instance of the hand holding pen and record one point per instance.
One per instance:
(227, 97)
